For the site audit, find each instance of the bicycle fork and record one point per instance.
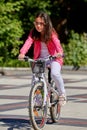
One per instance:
(45, 92)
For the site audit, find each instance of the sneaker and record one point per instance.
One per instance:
(62, 100)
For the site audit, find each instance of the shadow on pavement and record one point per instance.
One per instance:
(76, 122)
(18, 124)
(23, 124)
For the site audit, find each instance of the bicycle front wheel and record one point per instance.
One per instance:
(37, 111)
(55, 108)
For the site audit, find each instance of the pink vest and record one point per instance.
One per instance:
(53, 46)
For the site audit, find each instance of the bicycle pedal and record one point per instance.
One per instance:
(55, 102)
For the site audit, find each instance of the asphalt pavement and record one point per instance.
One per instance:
(14, 91)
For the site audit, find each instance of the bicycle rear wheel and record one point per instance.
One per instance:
(37, 111)
(55, 109)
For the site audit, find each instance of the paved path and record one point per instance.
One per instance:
(14, 90)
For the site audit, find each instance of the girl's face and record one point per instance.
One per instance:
(39, 24)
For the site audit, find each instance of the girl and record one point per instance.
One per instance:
(46, 42)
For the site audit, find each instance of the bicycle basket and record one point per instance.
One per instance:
(38, 67)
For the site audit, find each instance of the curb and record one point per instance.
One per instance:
(14, 71)
(26, 71)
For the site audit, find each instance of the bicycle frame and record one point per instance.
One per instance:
(43, 94)
(36, 77)
(42, 78)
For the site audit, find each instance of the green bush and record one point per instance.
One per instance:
(15, 63)
(15, 22)
(10, 31)
(76, 49)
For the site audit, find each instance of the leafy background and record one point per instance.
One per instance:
(16, 18)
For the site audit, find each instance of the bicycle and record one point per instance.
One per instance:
(43, 94)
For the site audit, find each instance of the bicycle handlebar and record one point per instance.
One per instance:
(27, 58)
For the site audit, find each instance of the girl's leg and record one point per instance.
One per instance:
(57, 77)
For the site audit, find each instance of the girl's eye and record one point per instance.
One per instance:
(39, 23)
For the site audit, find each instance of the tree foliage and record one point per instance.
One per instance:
(16, 20)
(10, 30)
(16, 17)
(76, 49)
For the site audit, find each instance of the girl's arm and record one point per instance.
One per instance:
(26, 46)
(57, 43)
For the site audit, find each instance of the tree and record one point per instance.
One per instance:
(10, 30)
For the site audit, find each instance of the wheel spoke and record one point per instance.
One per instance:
(37, 112)
(55, 108)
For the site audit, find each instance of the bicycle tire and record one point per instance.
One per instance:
(55, 109)
(36, 106)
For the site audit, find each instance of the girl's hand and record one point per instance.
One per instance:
(58, 55)
(21, 56)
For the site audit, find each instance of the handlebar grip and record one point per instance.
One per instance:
(26, 58)
(52, 57)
